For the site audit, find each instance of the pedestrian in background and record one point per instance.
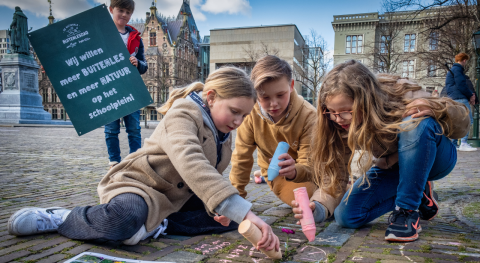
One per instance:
(457, 89)
(122, 11)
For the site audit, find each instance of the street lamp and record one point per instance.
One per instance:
(476, 44)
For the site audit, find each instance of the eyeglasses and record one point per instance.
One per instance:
(344, 115)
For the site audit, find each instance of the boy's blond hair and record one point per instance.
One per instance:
(126, 4)
(269, 68)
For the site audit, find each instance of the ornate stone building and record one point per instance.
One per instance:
(50, 100)
(171, 51)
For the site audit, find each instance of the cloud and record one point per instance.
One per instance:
(229, 6)
(66, 8)
(195, 5)
(60, 9)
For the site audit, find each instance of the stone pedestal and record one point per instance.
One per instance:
(20, 102)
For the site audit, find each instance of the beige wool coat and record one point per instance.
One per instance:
(175, 162)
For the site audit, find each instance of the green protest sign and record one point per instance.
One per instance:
(88, 65)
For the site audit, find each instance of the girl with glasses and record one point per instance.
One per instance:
(403, 143)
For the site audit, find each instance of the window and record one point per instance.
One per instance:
(432, 69)
(433, 41)
(409, 43)
(142, 115)
(430, 89)
(61, 114)
(354, 44)
(385, 44)
(153, 39)
(45, 95)
(54, 114)
(408, 69)
(151, 69)
(153, 115)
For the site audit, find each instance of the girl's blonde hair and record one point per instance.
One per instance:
(227, 82)
(378, 106)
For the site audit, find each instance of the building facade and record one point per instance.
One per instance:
(241, 47)
(204, 58)
(390, 43)
(4, 43)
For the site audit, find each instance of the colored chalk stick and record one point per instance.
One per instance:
(273, 168)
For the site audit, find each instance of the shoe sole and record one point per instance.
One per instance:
(394, 238)
(12, 218)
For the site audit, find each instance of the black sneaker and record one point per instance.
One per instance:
(428, 209)
(404, 225)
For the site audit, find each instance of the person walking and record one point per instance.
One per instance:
(457, 90)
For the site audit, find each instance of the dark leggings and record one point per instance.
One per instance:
(125, 214)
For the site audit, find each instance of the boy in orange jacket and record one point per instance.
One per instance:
(280, 114)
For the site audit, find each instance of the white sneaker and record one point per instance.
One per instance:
(465, 147)
(142, 234)
(35, 220)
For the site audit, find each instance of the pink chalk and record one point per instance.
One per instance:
(308, 223)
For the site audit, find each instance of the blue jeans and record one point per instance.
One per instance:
(132, 125)
(423, 154)
(466, 103)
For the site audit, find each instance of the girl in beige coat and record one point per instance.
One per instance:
(179, 168)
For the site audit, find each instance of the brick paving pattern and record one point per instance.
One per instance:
(47, 167)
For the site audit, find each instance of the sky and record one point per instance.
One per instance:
(210, 14)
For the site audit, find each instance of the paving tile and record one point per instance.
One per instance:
(182, 257)
(51, 251)
(15, 255)
(21, 246)
(80, 249)
(161, 253)
(53, 258)
(333, 235)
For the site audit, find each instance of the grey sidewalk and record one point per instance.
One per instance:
(54, 167)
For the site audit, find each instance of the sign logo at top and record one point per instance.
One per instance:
(73, 33)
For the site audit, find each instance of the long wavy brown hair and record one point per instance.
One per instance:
(378, 105)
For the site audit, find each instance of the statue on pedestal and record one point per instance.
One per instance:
(18, 33)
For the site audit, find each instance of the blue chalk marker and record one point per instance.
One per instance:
(273, 168)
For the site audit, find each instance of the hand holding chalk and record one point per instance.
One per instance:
(253, 234)
(308, 223)
(273, 168)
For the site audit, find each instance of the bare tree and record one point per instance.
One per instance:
(314, 64)
(386, 53)
(448, 26)
(253, 53)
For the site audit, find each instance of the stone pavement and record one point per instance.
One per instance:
(47, 167)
